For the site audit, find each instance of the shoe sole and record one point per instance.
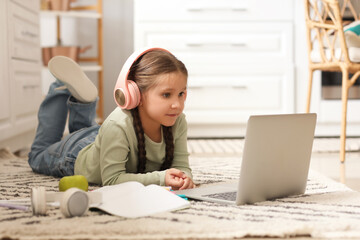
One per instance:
(69, 72)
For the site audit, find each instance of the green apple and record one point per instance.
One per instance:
(77, 181)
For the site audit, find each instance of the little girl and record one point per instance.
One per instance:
(147, 144)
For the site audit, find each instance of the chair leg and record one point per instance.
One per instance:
(309, 90)
(342, 172)
(344, 98)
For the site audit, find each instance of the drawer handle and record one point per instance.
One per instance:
(28, 34)
(239, 9)
(30, 86)
(239, 45)
(200, 9)
(194, 44)
(196, 87)
(240, 87)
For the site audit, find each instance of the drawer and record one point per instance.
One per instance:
(221, 43)
(32, 5)
(235, 93)
(213, 10)
(27, 78)
(24, 33)
(5, 107)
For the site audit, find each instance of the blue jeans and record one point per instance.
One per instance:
(50, 153)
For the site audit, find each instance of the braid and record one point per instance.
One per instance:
(141, 140)
(169, 141)
(169, 150)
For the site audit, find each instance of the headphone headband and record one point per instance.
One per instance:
(126, 93)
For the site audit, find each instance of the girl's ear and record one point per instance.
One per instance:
(141, 99)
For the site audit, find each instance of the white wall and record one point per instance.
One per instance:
(301, 57)
(118, 44)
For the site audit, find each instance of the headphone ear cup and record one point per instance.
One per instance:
(130, 100)
(38, 201)
(120, 97)
(134, 94)
(74, 203)
(126, 92)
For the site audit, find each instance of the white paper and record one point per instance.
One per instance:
(132, 200)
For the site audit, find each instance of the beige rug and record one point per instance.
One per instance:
(327, 209)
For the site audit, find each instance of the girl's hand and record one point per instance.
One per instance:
(188, 183)
(177, 179)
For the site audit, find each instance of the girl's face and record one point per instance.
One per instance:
(163, 103)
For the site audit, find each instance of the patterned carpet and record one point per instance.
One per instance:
(327, 209)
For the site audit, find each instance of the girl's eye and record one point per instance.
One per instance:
(181, 94)
(166, 95)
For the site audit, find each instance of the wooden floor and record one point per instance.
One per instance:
(329, 165)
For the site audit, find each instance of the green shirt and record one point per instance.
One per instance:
(112, 158)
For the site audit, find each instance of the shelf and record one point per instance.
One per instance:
(76, 14)
(92, 64)
(91, 68)
(95, 68)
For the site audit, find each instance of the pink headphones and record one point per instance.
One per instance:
(126, 93)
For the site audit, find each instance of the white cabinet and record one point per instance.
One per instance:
(239, 55)
(20, 82)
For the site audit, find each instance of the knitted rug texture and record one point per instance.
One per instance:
(327, 209)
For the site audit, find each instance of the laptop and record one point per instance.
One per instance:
(275, 161)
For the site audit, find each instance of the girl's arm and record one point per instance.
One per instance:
(181, 154)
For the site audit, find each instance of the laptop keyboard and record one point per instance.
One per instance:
(229, 196)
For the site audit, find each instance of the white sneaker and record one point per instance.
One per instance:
(69, 72)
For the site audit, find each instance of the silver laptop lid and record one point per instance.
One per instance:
(276, 156)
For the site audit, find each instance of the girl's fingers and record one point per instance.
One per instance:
(188, 183)
(177, 172)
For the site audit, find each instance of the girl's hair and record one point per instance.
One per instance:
(144, 72)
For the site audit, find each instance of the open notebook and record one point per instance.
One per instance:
(132, 200)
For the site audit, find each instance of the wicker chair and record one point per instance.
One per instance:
(328, 50)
